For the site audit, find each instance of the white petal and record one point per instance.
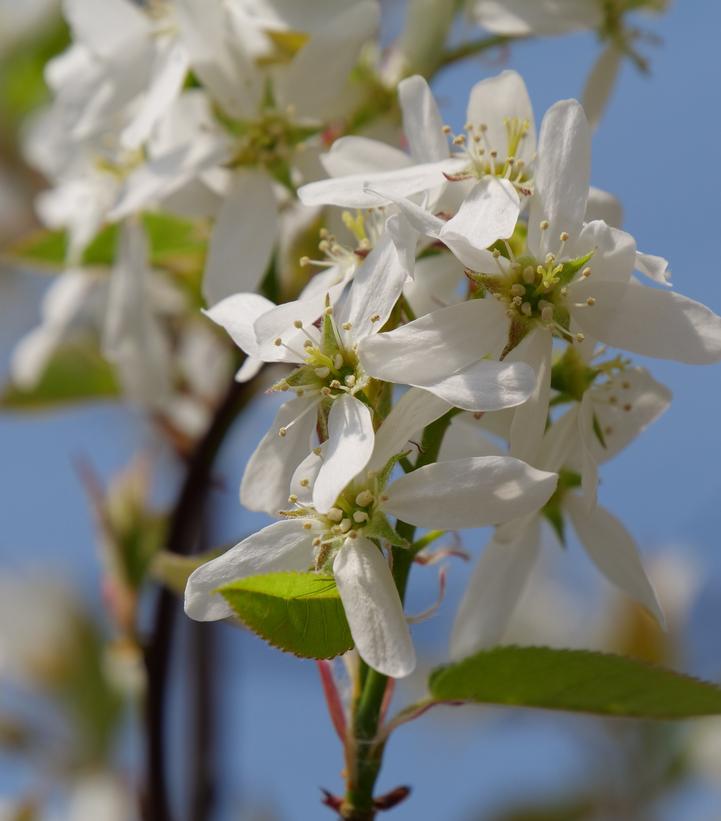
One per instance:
(351, 191)
(604, 206)
(377, 284)
(266, 481)
(317, 75)
(437, 345)
(529, 421)
(518, 18)
(361, 155)
(373, 608)
(613, 551)
(651, 322)
(493, 591)
(435, 283)
(589, 469)
(248, 369)
(413, 411)
(168, 74)
(656, 268)
(422, 121)
(601, 82)
(559, 440)
(613, 259)
(562, 176)
(243, 237)
(107, 29)
(473, 492)
(464, 438)
(279, 323)
(487, 214)
(486, 386)
(638, 400)
(164, 175)
(226, 72)
(494, 101)
(349, 447)
(303, 479)
(237, 314)
(283, 546)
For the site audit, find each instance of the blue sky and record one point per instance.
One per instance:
(657, 151)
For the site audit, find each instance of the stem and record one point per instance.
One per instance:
(367, 750)
(183, 537)
(474, 48)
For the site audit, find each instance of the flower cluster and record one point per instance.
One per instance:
(489, 290)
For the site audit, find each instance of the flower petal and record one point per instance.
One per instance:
(529, 420)
(361, 155)
(488, 213)
(655, 268)
(473, 492)
(493, 591)
(243, 237)
(519, 18)
(438, 344)
(237, 314)
(651, 322)
(317, 75)
(562, 177)
(604, 206)
(352, 191)
(266, 481)
(413, 411)
(600, 83)
(422, 123)
(168, 74)
(486, 386)
(496, 100)
(348, 449)
(373, 608)
(282, 546)
(613, 551)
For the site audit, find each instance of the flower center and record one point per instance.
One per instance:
(331, 368)
(536, 291)
(498, 161)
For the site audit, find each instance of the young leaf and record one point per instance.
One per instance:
(300, 613)
(574, 680)
(75, 373)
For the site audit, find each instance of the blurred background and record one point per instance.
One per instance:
(271, 745)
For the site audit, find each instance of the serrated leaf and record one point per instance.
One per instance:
(575, 681)
(75, 373)
(300, 613)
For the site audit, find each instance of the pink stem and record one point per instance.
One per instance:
(332, 697)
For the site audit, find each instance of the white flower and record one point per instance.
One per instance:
(327, 360)
(616, 409)
(254, 139)
(464, 493)
(573, 281)
(499, 143)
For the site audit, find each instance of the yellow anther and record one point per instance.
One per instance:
(335, 514)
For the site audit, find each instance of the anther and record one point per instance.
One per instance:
(586, 273)
(304, 482)
(298, 324)
(282, 432)
(307, 525)
(322, 373)
(335, 514)
(278, 342)
(328, 310)
(446, 129)
(360, 516)
(292, 498)
(564, 236)
(307, 344)
(545, 224)
(627, 406)
(347, 326)
(547, 314)
(579, 337)
(345, 525)
(350, 380)
(526, 309)
(304, 262)
(337, 361)
(529, 275)
(364, 498)
(517, 289)
(591, 301)
(375, 317)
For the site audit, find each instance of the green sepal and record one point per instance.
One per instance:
(599, 433)
(577, 681)
(380, 528)
(572, 267)
(553, 509)
(570, 376)
(329, 342)
(387, 469)
(300, 613)
(75, 373)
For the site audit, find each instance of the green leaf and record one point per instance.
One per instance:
(300, 613)
(75, 373)
(574, 680)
